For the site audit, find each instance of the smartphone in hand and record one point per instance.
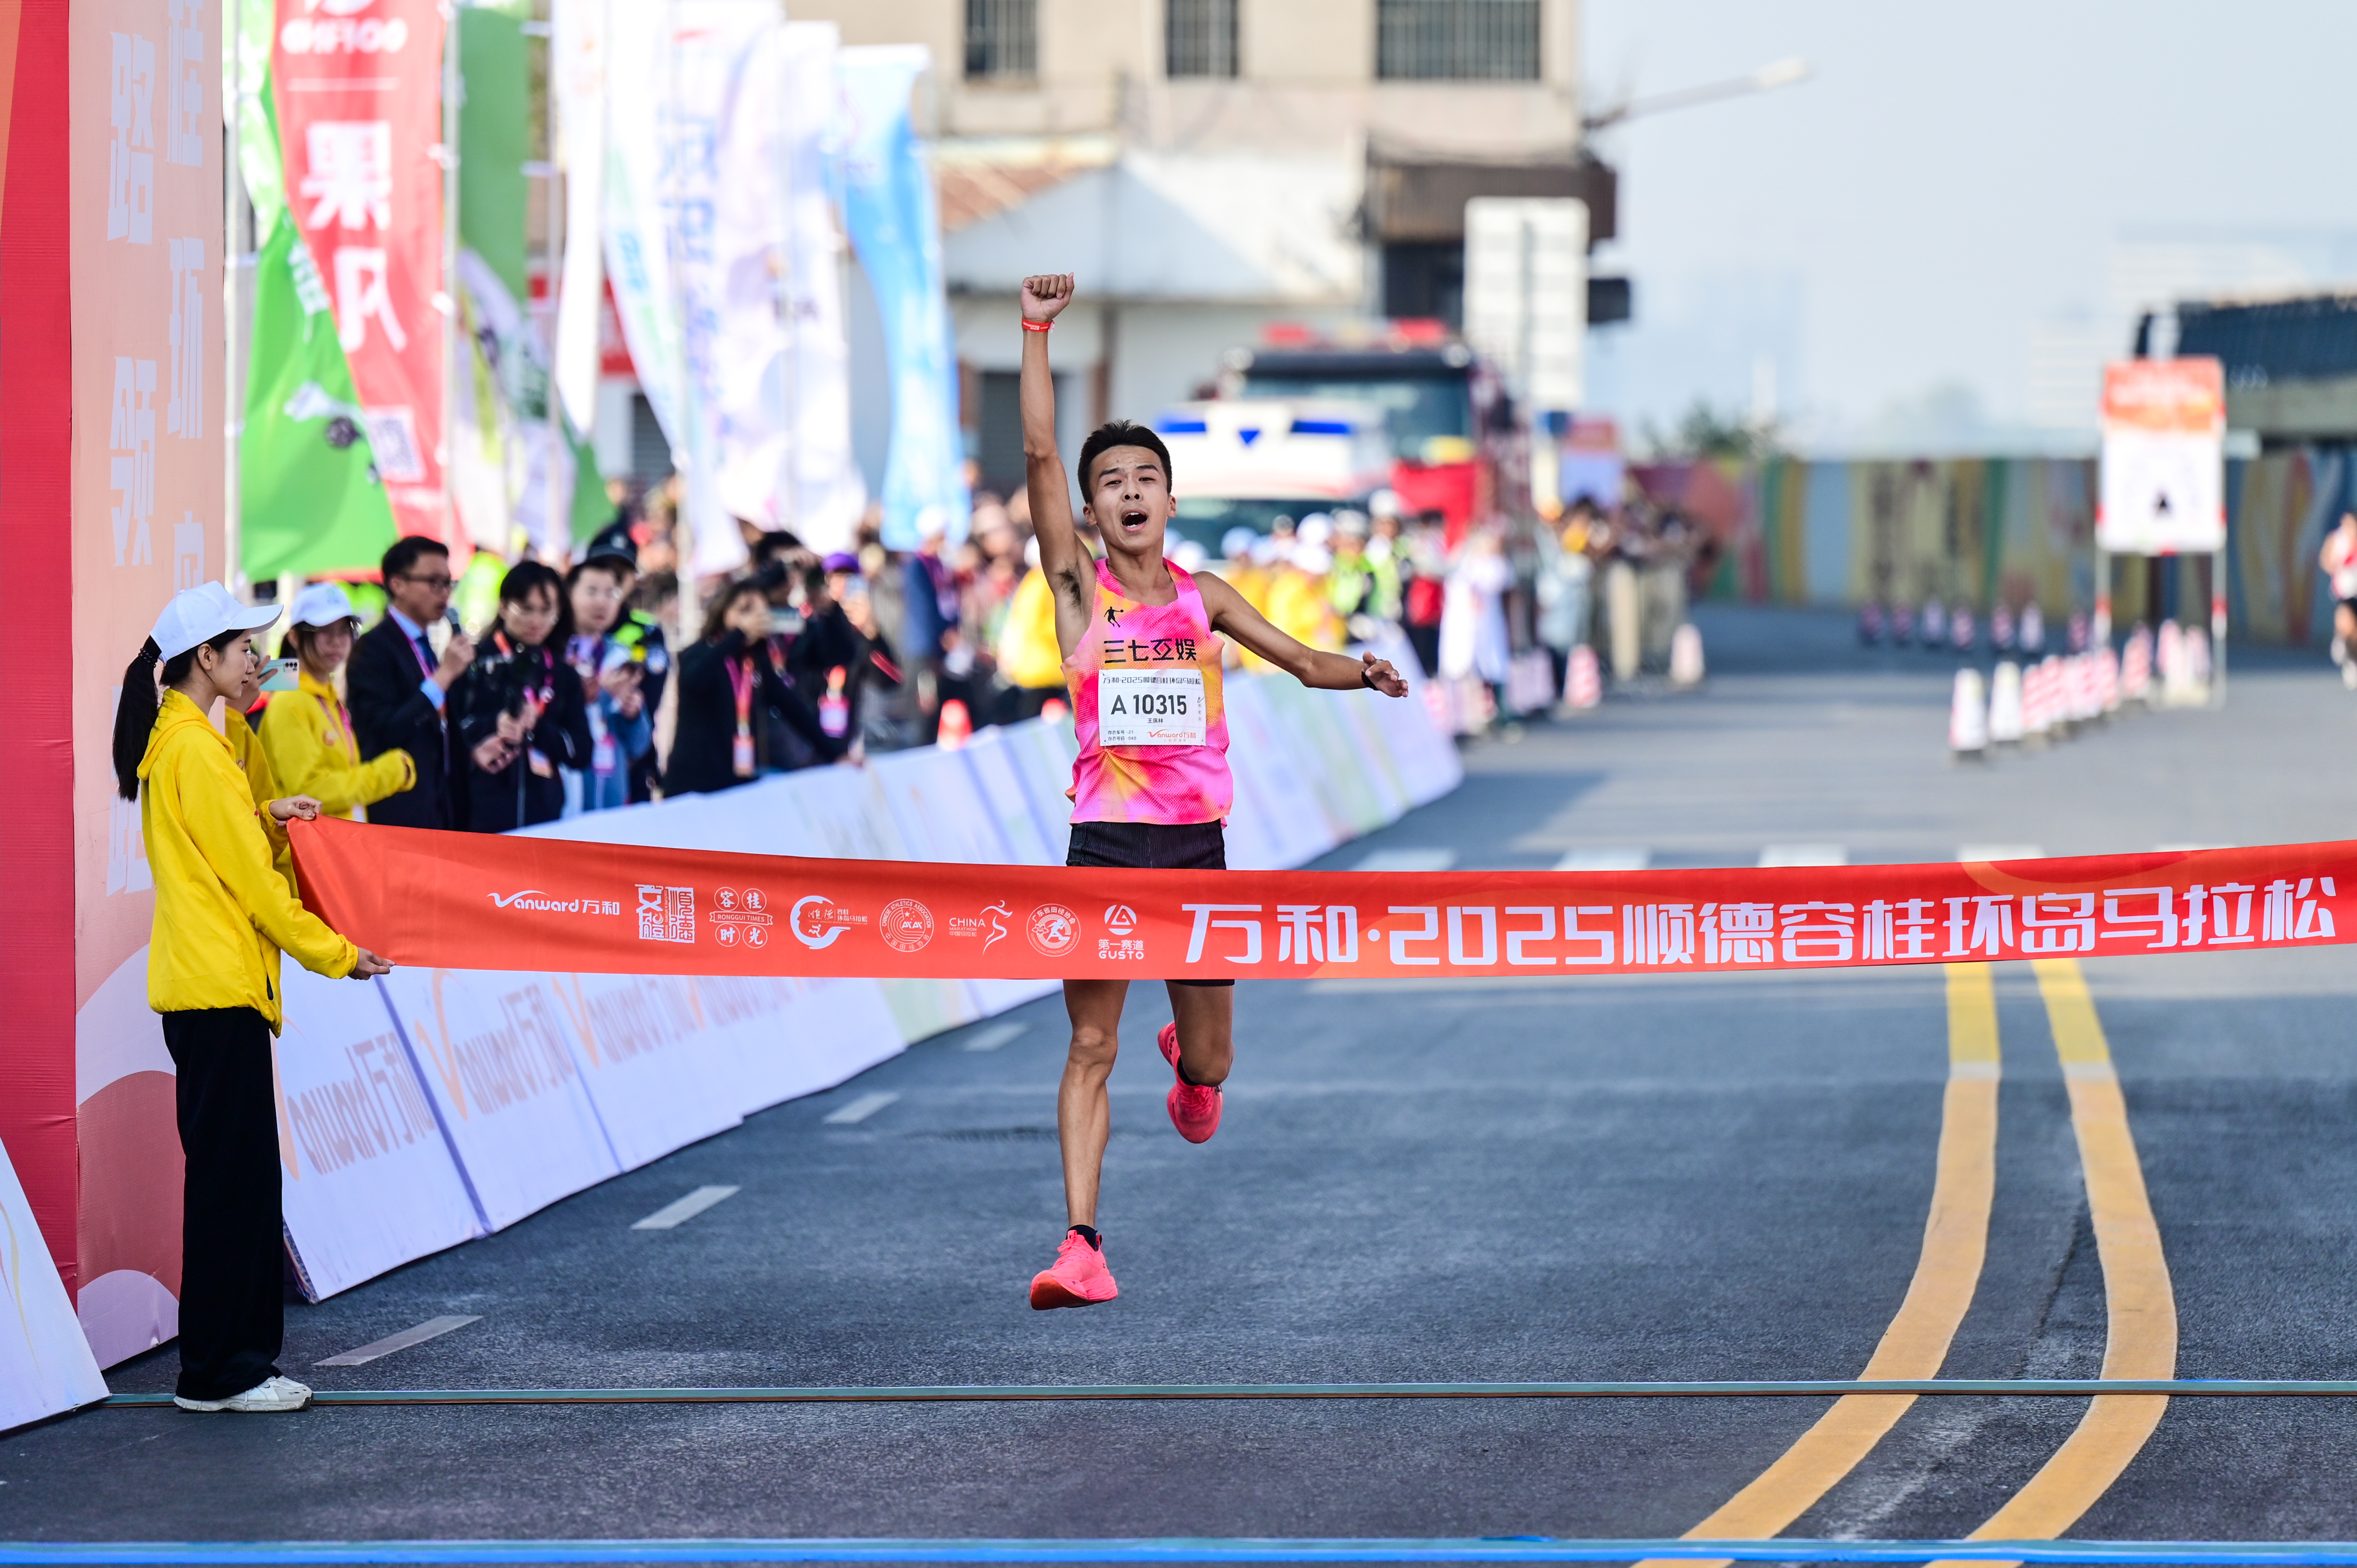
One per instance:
(281, 675)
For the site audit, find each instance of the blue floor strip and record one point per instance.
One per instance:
(1507, 1549)
(2077, 1388)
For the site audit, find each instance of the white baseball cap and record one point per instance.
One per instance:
(200, 615)
(323, 604)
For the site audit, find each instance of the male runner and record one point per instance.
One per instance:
(1133, 625)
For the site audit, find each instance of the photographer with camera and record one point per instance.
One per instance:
(732, 682)
(519, 711)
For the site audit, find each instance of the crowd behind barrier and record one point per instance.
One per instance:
(436, 1106)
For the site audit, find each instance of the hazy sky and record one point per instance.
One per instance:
(1893, 230)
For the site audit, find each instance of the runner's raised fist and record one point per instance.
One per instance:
(1045, 296)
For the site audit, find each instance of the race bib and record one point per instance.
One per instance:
(1151, 707)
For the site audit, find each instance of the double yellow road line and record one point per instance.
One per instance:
(2141, 1331)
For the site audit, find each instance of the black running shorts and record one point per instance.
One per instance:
(1152, 846)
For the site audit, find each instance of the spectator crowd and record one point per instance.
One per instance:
(568, 694)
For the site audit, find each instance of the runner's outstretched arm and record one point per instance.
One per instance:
(1232, 618)
(1066, 563)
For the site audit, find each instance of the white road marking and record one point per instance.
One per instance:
(1408, 860)
(1804, 855)
(861, 1109)
(670, 1216)
(997, 1035)
(2001, 852)
(1618, 857)
(432, 1328)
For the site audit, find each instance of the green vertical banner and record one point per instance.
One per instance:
(494, 140)
(310, 498)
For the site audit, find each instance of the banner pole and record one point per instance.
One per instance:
(232, 190)
(559, 449)
(2218, 628)
(445, 446)
(683, 527)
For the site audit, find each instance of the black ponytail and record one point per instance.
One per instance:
(142, 696)
(135, 717)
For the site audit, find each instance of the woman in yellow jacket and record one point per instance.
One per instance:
(308, 733)
(222, 916)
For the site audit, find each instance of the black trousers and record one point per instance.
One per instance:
(232, 1245)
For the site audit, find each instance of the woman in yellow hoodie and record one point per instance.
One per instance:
(308, 733)
(222, 916)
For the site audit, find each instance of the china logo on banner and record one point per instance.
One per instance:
(359, 108)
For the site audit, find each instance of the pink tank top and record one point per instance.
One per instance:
(1147, 711)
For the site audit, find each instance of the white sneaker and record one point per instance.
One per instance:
(269, 1396)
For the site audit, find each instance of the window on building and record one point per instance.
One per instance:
(1200, 38)
(1002, 37)
(1457, 40)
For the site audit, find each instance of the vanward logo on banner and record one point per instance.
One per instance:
(436, 900)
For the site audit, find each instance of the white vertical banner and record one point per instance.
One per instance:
(827, 495)
(638, 244)
(712, 43)
(750, 355)
(579, 49)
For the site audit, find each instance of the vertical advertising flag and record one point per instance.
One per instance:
(358, 91)
(712, 42)
(144, 228)
(577, 77)
(888, 205)
(825, 494)
(751, 349)
(639, 264)
(2164, 478)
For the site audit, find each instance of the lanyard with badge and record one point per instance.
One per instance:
(740, 682)
(339, 725)
(604, 755)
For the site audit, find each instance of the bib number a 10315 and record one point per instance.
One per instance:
(1152, 707)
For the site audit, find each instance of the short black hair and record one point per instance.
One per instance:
(405, 552)
(1120, 433)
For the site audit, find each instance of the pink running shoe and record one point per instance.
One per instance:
(1194, 1107)
(1079, 1278)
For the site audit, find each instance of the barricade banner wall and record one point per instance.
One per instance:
(997, 772)
(657, 1077)
(369, 1181)
(447, 899)
(494, 1055)
(538, 1084)
(45, 1363)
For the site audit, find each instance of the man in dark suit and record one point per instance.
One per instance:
(398, 686)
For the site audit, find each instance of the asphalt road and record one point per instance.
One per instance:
(1600, 1178)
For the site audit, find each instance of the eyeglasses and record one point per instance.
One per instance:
(444, 580)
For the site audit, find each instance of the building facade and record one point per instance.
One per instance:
(1209, 169)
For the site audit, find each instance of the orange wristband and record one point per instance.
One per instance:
(1037, 326)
